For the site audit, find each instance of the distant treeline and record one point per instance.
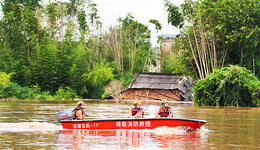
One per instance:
(60, 47)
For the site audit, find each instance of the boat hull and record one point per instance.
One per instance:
(132, 123)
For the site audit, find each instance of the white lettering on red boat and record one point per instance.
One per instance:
(118, 124)
(147, 123)
(130, 124)
(135, 124)
(95, 125)
(123, 124)
(141, 124)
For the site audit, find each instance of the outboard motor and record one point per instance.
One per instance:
(65, 115)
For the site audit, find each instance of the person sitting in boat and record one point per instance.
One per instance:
(136, 111)
(165, 110)
(78, 113)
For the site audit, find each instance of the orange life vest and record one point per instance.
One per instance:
(163, 113)
(78, 113)
(136, 110)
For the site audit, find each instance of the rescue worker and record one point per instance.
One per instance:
(165, 110)
(78, 113)
(136, 111)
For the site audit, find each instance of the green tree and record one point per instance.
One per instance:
(175, 17)
(158, 25)
(128, 44)
(19, 30)
(229, 86)
(4, 78)
(235, 27)
(98, 78)
(218, 33)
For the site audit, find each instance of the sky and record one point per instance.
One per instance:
(142, 10)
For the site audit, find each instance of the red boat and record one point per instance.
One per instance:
(132, 123)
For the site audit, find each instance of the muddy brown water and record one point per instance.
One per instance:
(32, 125)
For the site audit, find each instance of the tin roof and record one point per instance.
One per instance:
(156, 81)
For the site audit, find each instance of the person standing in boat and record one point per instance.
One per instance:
(78, 113)
(165, 110)
(136, 111)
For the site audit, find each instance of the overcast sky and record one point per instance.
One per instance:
(142, 10)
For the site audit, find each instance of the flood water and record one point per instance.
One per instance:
(31, 125)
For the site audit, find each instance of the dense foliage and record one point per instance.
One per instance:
(15, 91)
(218, 33)
(229, 86)
(59, 47)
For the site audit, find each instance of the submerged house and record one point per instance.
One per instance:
(157, 86)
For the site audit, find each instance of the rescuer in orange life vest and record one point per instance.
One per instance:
(78, 113)
(136, 111)
(164, 111)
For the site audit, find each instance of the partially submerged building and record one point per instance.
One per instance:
(157, 86)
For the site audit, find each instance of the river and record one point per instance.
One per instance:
(31, 125)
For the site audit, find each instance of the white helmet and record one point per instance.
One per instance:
(80, 103)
